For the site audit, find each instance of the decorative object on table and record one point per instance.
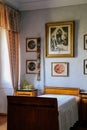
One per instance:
(59, 69)
(27, 86)
(60, 39)
(31, 66)
(31, 44)
(85, 42)
(24, 84)
(85, 66)
(30, 87)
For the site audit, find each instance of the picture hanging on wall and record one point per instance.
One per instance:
(60, 39)
(59, 69)
(31, 66)
(85, 42)
(31, 44)
(85, 66)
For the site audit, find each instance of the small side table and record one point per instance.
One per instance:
(83, 106)
(27, 92)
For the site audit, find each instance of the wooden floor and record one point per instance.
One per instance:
(3, 124)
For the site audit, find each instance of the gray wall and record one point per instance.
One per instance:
(33, 25)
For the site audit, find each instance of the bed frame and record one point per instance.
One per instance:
(36, 113)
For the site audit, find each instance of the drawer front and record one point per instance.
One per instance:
(20, 93)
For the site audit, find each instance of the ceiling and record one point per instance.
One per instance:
(42, 4)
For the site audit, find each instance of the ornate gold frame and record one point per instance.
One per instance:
(64, 50)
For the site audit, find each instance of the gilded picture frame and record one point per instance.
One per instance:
(59, 39)
(59, 69)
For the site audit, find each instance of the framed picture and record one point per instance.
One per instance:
(59, 39)
(85, 66)
(31, 66)
(31, 44)
(85, 42)
(59, 69)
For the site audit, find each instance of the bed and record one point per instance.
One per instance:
(44, 112)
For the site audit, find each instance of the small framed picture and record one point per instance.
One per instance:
(85, 66)
(59, 69)
(85, 42)
(31, 44)
(31, 66)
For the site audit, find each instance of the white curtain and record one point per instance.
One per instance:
(4, 60)
(9, 62)
(5, 75)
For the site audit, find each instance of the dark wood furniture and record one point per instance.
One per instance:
(32, 92)
(32, 113)
(35, 113)
(83, 106)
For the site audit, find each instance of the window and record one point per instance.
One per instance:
(5, 75)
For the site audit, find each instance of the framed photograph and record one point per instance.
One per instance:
(85, 42)
(59, 39)
(85, 66)
(31, 66)
(59, 69)
(31, 44)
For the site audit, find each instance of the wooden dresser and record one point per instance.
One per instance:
(28, 92)
(83, 106)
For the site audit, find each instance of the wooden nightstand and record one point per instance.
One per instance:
(32, 92)
(83, 106)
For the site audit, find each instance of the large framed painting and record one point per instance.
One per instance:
(59, 39)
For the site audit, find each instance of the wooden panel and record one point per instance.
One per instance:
(32, 113)
(26, 93)
(61, 90)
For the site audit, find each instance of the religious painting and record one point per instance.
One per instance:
(60, 39)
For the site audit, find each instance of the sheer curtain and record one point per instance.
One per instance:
(12, 25)
(9, 61)
(5, 74)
